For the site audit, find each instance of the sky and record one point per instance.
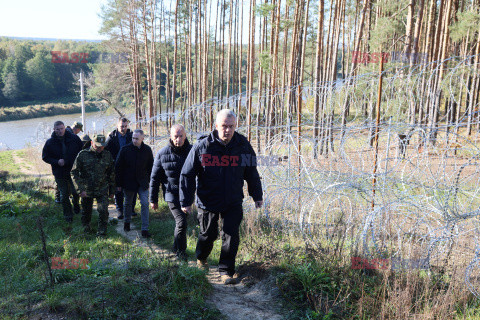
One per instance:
(57, 19)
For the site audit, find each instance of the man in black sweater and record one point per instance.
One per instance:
(133, 168)
(117, 139)
(216, 167)
(60, 152)
(166, 171)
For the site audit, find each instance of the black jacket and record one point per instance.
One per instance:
(112, 143)
(133, 167)
(53, 151)
(166, 171)
(219, 172)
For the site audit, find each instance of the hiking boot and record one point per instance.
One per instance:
(126, 226)
(87, 229)
(57, 200)
(134, 214)
(120, 216)
(202, 264)
(226, 279)
(146, 234)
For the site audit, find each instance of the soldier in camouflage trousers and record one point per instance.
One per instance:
(94, 177)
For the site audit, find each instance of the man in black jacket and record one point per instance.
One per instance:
(166, 171)
(216, 167)
(60, 152)
(116, 140)
(132, 174)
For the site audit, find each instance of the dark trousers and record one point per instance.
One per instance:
(180, 235)
(102, 208)
(231, 217)
(65, 185)
(120, 200)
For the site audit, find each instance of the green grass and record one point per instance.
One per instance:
(122, 281)
(7, 162)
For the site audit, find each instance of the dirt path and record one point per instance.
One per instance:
(28, 168)
(251, 299)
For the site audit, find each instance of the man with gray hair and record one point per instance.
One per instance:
(166, 172)
(216, 167)
(132, 174)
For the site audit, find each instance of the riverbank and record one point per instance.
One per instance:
(44, 110)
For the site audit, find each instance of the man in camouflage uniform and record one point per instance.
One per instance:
(94, 177)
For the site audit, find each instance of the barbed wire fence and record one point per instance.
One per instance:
(421, 201)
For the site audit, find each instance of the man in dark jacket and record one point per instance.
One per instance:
(216, 167)
(93, 174)
(166, 171)
(133, 168)
(117, 139)
(60, 152)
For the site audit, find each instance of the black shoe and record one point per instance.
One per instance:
(134, 214)
(146, 234)
(120, 216)
(126, 226)
(182, 256)
(101, 234)
(57, 200)
(87, 229)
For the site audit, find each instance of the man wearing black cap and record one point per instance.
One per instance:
(94, 177)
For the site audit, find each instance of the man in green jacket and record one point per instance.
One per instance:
(93, 174)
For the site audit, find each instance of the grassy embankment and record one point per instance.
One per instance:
(319, 282)
(314, 283)
(42, 109)
(122, 281)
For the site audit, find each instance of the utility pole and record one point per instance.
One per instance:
(82, 101)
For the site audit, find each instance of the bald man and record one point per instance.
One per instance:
(166, 172)
(216, 168)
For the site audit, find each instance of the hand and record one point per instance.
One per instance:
(187, 209)
(83, 194)
(258, 204)
(154, 205)
(61, 162)
(119, 189)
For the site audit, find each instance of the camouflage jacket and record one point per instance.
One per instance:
(94, 173)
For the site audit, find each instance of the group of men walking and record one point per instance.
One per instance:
(215, 168)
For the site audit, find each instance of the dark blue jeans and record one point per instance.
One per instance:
(143, 196)
(120, 200)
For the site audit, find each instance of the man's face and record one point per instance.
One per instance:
(137, 139)
(225, 127)
(59, 130)
(76, 130)
(122, 127)
(178, 136)
(97, 148)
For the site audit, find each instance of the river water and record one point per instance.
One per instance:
(33, 132)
